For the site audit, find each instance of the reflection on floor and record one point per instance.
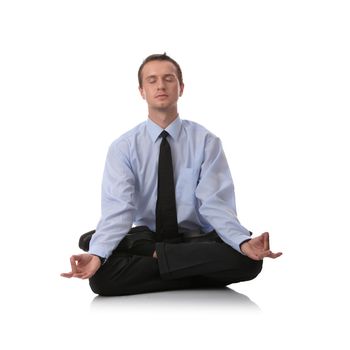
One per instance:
(218, 298)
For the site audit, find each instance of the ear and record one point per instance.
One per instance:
(182, 86)
(142, 92)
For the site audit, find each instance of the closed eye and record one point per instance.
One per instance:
(151, 80)
(169, 78)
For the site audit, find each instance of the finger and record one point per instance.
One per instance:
(85, 275)
(70, 274)
(73, 264)
(67, 274)
(78, 257)
(265, 254)
(269, 254)
(275, 255)
(266, 241)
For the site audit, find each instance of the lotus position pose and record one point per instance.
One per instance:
(168, 205)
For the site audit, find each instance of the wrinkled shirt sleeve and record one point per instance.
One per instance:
(216, 196)
(117, 201)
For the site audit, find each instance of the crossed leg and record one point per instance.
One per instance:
(179, 266)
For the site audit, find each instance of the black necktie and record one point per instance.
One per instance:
(166, 218)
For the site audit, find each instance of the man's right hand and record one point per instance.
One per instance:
(83, 266)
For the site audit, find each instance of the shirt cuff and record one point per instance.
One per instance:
(100, 252)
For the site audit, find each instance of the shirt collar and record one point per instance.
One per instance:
(173, 129)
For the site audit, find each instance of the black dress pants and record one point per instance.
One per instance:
(194, 264)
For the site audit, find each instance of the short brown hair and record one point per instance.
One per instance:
(160, 57)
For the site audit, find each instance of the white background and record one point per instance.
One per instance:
(270, 78)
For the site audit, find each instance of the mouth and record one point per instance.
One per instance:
(162, 96)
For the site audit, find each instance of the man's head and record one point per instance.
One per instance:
(160, 57)
(160, 84)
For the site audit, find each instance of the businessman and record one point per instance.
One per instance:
(168, 205)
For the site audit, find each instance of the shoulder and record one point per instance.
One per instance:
(198, 131)
(129, 136)
(126, 140)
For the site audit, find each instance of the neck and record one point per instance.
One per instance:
(162, 118)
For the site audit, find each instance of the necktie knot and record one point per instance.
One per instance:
(164, 134)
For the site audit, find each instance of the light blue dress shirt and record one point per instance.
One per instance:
(204, 188)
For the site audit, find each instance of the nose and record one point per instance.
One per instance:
(161, 84)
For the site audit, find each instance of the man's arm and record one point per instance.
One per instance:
(117, 213)
(216, 196)
(117, 201)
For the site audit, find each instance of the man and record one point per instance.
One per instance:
(168, 205)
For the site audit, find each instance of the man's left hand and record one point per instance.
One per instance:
(258, 248)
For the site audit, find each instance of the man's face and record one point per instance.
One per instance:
(160, 85)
